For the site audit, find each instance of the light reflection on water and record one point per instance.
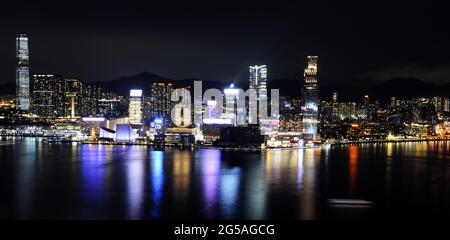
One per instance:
(210, 165)
(92, 162)
(134, 182)
(136, 158)
(156, 181)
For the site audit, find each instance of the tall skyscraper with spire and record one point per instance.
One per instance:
(310, 96)
(22, 73)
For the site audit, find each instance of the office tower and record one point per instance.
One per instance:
(73, 97)
(22, 73)
(258, 82)
(44, 95)
(233, 110)
(366, 100)
(310, 96)
(60, 97)
(91, 95)
(290, 118)
(212, 109)
(367, 110)
(335, 107)
(135, 107)
(111, 105)
(182, 115)
(441, 104)
(424, 111)
(347, 110)
(159, 102)
(334, 97)
(326, 112)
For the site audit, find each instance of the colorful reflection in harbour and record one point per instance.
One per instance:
(156, 181)
(75, 181)
(353, 165)
(92, 166)
(210, 172)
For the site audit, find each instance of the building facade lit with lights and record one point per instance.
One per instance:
(159, 104)
(258, 82)
(135, 107)
(44, 95)
(234, 107)
(90, 102)
(22, 73)
(310, 97)
(182, 115)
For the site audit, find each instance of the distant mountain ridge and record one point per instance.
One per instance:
(145, 79)
(397, 87)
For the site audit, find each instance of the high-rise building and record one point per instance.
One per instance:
(334, 97)
(310, 96)
(112, 106)
(60, 97)
(290, 117)
(441, 104)
(159, 102)
(335, 107)
(424, 111)
(91, 96)
(44, 95)
(347, 110)
(73, 97)
(182, 115)
(233, 110)
(55, 96)
(135, 107)
(366, 101)
(258, 82)
(22, 73)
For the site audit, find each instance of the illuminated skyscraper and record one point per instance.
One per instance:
(334, 97)
(135, 107)
(441, 104)
(159, 103)
(335, 107)
(91, 96)
(258, 82)
(310, 96)
(112, 106)
(22, 73)
(234, 110)
(182, 115)
(44, 95)
(60, 97)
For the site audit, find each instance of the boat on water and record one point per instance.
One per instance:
(350, 203)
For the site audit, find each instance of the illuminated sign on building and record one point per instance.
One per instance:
(93, 119)
(135, 93)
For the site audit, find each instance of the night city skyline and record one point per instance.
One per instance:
(225, 119)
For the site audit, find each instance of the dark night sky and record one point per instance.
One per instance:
(217, 40)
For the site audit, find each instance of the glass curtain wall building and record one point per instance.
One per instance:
(22, 73)
(310, 95)
(258, 82)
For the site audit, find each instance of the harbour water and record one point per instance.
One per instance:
(81, 181)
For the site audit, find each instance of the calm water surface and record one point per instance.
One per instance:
(75, 181)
